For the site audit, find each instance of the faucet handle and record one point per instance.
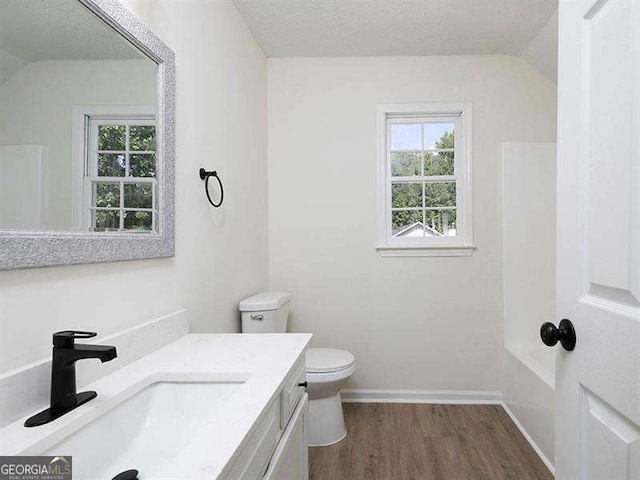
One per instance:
(65, 338)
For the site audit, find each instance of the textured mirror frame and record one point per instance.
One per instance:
(29, 249)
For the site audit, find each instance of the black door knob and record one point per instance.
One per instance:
(565, 334)
(127, 475)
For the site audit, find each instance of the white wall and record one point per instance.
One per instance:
(37, 109)
(221, 255)
(412, 323)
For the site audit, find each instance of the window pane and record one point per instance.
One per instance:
(438, 135)
(440, 223)
(438, 163)
(142, 137)
(138, 221)
(107, 220)
(107, 195)
(142, 165)
(138, 195)
(440, 194)
(404, 195)
(406, 164)
(407, 136)
(111, 137)
(406, 149)
(407, 223)
(111, 165)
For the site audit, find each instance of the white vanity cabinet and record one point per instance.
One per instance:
(278, 448)
(290, 461)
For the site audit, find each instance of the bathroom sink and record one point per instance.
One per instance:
(146, 431)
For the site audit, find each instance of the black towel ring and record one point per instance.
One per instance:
(204, 175)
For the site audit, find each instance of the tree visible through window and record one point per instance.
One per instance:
(121, 170)
(426, 208)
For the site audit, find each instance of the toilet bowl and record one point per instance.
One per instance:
(327, 371)
(327, 368)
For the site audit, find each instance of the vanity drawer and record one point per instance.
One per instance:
(254, 460)
(291, 392)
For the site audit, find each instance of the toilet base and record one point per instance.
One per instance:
(325, 421)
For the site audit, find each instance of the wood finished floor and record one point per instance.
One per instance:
(424, 442)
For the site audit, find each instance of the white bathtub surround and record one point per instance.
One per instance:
(27, 388)
(528, 277)
(260, 362)
(528, 240)
(541, 360)
(23, 181)
(529, 396)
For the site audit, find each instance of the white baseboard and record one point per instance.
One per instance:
(533, 444)
(421, 396)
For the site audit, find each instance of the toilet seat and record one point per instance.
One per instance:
(328, 360)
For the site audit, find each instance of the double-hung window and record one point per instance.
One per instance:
(424, 180)
(119, 183)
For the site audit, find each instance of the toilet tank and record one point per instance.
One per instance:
(265, 312)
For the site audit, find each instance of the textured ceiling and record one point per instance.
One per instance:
(36, 30)
(336, 28)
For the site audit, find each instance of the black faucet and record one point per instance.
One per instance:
(63, 374)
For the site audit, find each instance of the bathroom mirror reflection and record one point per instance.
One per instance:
(78, 142)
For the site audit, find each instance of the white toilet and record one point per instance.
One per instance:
(327, 368)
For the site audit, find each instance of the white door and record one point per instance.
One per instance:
(598, 235)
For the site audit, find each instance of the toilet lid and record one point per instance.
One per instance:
(326, 360)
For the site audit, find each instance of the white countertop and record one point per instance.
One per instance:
(263, 360)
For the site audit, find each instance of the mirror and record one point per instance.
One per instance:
(86, 109)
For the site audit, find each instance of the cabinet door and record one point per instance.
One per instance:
(257, 453)
(290, 461)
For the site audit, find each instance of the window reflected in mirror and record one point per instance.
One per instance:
(78, 146)
(121, 169)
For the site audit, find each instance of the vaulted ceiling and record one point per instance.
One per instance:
(37, 30)
(330, 28)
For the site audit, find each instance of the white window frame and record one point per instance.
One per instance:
(84, 138)
(462, 243)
